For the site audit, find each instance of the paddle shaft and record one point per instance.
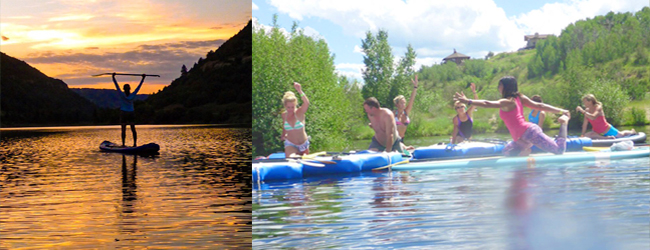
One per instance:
(123, 74)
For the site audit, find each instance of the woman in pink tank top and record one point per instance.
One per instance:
(594, 114)
(524, 134)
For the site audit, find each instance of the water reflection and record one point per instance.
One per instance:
(567, 206)
(59, 189)
(539, 223)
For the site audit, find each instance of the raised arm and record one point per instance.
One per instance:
(135, 92)
(305, 101)
(540, 106)
(482, 103)
(117, 86)
(412, 99)
(470, 109)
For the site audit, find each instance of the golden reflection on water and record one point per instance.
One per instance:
(57, 190)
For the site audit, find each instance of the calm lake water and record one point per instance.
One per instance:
(603, 205)
(58, 190)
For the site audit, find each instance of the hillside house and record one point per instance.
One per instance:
(533, 39)
(456, 57)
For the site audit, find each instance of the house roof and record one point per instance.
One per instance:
(537, 35)
(456, 55)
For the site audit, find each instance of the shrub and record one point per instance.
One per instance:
(638, 116)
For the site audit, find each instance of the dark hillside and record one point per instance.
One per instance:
(216, 89)
(29, 97)
(105, 98)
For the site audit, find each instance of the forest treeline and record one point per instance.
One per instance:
(606, 56)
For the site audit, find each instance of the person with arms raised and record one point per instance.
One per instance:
(127, 111)
(402, 112)
(294, 136)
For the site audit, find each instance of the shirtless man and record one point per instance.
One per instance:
(382, 121)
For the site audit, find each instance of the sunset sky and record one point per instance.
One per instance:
(74, 39)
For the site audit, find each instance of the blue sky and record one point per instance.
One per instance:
(433, 28)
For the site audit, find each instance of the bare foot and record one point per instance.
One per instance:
(611, 137)
(564, 119)
(633, 132)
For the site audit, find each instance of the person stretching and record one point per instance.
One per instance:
(524, 134)
(594, 114)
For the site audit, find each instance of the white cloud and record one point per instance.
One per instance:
(351, 70)
(257, 25)
(255, 6)
(436, 27)
(420, 22)
(553, 17)
(428, 61)
(357, 49)
(309, 31)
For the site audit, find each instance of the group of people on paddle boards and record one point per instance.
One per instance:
(390, 127)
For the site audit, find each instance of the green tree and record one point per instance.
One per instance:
(401, 83)
(279, 59)
(378, 74)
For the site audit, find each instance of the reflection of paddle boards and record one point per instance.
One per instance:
(146, 149)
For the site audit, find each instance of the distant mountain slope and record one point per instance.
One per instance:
(29, 97)
(216, 89)
(104, 98)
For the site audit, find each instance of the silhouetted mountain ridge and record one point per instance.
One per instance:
(216, 89)
(104, 98)
(29, 97)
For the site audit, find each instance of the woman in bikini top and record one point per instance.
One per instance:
(294, 136)
(401, 114)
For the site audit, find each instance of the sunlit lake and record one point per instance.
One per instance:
(58, 190)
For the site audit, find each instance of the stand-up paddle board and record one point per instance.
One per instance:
(146, 149)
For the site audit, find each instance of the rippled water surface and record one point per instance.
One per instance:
(58, 190)
(603, 205)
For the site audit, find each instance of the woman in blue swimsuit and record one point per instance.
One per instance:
(294, 136)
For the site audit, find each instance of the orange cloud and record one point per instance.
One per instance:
(75, 39)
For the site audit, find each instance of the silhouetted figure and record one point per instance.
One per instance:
(127, 112)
